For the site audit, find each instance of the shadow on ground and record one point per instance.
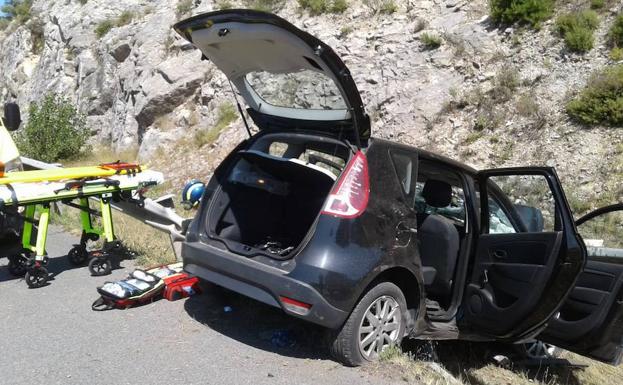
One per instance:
(56, 266)
(256, 324)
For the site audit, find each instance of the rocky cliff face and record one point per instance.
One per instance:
(487, 96)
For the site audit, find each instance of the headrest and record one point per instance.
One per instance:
(437, 193)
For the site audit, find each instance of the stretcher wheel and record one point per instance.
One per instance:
(18, 265)
(36, 277)
(78, 255)
(99, 266)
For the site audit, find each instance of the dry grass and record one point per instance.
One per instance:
(151, 246)
(471, 364)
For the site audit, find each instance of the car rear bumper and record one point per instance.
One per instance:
(258, 281)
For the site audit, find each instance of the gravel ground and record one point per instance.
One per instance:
(51, 336)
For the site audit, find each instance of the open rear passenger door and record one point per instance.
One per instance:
(528, 254)
(591, 319)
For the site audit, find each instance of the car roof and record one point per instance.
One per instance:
(428, 155)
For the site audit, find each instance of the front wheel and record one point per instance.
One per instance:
(377, 322)
(37, 277)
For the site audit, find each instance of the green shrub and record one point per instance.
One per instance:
(506, 82)
(104, 27)
(601, 102)
(597, 4)
(381, 6)
(339, 6)
(125, 18)
(317, 7)
(37, 35)
(580, 40)
(18, 10)
(616, 32)
(616, 54)
(55, 130)
(532, 12)
(184, 7)
(227, 113)
(430, 41)
(388, 7)
(577, 29)
(581, 19)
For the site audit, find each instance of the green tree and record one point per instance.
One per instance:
(18, 10)
(55, 130)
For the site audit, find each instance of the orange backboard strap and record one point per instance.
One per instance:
(118, 166)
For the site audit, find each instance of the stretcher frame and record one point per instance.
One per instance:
(32, 259)
(42, 211)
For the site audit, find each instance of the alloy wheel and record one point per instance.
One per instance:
(539, 350)
(380, 327)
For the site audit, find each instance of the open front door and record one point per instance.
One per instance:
(591, 319)
(528, 254)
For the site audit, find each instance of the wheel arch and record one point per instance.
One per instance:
(404, 279)
(407, 282)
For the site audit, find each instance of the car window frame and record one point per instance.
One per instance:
(414, 156)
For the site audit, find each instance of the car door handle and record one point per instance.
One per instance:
(403, 228)
(500, 254)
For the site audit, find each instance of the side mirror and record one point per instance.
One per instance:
(12, 116)
(531, 217)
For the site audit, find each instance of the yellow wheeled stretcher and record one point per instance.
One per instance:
(37, 190)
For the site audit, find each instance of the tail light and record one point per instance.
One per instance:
(349, 197)
(295, 306)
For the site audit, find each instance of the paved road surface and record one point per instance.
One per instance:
(51, 336)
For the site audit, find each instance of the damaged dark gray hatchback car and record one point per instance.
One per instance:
(375, 240)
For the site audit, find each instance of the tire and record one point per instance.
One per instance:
(37, 277)
(100, 266)
(78, 255)
(345, 343)
(18, 265)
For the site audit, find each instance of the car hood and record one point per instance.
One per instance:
(288, 78)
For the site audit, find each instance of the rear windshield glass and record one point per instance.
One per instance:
(329, 158)
(305, 89)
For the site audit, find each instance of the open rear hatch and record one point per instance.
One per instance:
(269, 199)
(289, 79)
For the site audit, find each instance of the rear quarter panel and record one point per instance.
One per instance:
(344, 256)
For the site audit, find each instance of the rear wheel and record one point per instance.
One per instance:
(377, 322)
(18, 265)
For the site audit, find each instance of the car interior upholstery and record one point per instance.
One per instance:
(439, 238)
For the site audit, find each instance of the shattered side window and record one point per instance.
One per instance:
(498, 220)
(306, 89)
